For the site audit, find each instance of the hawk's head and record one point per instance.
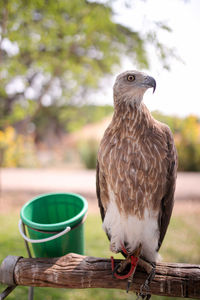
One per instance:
(130, 86)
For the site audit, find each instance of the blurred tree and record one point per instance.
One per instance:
(16, 150)
(188, 145)
(88, 153)
(53, 52)
(187, 139)
(175, 123)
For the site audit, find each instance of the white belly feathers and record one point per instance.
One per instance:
(132, 231)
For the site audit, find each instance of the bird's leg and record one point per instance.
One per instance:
(123, 264)
(119, 268)
(151, 270)
(127, 261)
(136, 253)
(131, 259)
(147, 266)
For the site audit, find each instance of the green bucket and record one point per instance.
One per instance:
(55, 224)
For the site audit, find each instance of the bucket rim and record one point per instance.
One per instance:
(54, 226)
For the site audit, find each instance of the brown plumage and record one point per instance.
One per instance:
(136, 171)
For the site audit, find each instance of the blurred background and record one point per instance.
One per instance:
(58, 63)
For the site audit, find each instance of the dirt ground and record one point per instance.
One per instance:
(20, 185)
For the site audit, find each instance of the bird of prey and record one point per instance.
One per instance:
(136, 174)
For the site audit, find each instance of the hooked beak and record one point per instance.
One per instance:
(150, 82)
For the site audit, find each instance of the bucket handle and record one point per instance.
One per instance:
(67, 229)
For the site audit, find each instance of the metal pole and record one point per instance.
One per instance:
(31, 288)
(6, 292)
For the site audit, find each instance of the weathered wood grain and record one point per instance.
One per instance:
(79, 272)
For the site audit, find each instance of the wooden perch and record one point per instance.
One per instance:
(79, 272)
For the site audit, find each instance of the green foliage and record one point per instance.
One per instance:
(88, 153)
(181, 229)
(187, 139)
(74, 117)
(189, 156)
(20, 150)
(16, 150)
(175, 123)
(69, 45)
(188, 145)
(58, 52)
(68, 119)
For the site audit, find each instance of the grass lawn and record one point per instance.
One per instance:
(182, 244)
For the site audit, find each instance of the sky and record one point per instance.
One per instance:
(177, 90)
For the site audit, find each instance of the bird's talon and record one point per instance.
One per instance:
(125, 269)
(116, 268)
(128, 286)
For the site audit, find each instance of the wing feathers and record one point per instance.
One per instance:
(167, 202)
(102, 211)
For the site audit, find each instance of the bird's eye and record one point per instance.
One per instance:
(130, 77)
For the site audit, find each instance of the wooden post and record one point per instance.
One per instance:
(79, 272)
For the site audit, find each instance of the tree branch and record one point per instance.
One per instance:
(76, 271)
